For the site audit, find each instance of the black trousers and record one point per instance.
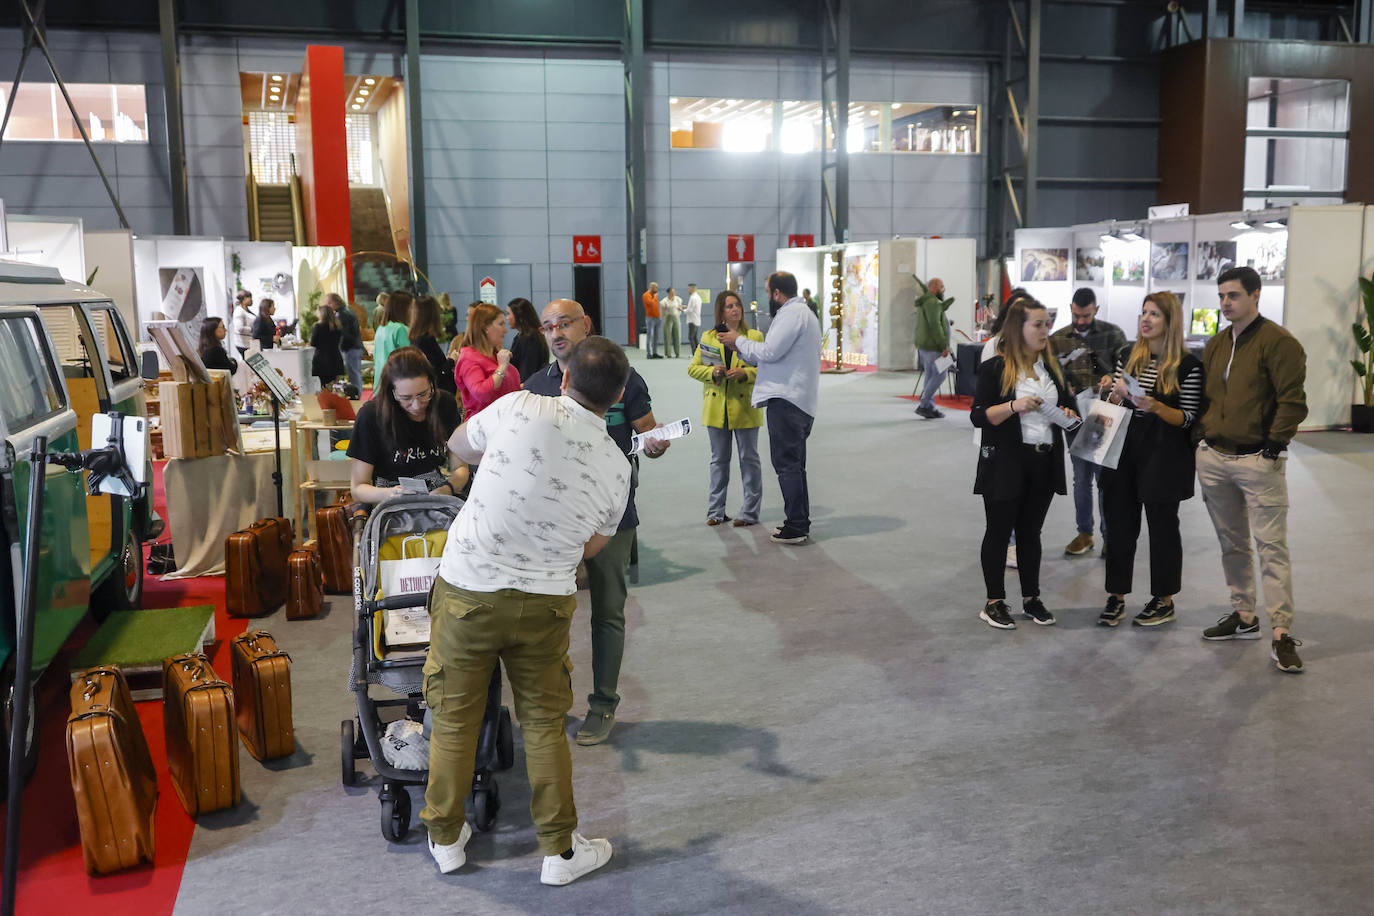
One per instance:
(1121, 506)
(788, 428)
(1024, 515)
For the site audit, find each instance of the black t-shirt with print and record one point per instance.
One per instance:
(414, 456)
(635, 404)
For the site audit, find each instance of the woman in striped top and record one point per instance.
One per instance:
(1156, 467)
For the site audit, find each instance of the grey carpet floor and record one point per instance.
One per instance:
(831, 729)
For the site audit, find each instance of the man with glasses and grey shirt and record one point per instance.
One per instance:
(788, 385)
(1255, 401)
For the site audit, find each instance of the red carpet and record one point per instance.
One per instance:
(52, 872)
(952, 401)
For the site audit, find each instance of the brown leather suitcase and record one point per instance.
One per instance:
(111, 772)
(304, 584)
(262, 695)
(243, 569)
(336, 548)
(275, 541)
(202, 741)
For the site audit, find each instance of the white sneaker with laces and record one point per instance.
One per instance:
(452, 856)
(588, 856)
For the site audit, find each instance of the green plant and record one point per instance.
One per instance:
(310, 315)
(236, 265)
(1364, 339)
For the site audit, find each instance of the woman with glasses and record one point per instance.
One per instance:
(728, 386)
(484, 372)
(402, 433)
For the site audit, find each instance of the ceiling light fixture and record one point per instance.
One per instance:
(276, 77)
(896, 105)
(1242, 224)
(1112, 235)
(370, 81)
(1132, 234)
(356, 107)
(364, 91)
(672, 101)
(1276, 223)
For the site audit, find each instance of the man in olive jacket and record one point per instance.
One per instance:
(932, 341)
(1255, 401)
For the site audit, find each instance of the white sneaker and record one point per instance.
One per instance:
(1011, 556)
(588, 856)
(452, 856)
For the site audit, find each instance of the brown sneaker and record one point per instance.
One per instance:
(1081, 544)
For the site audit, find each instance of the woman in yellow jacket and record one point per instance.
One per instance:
(729, 385)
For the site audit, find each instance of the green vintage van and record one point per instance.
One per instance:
(65, 355)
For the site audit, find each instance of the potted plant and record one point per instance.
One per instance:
(1362, 415)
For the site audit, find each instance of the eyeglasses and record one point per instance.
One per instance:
(417, 399)
(560, 326)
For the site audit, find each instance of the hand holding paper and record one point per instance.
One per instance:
(1059, 417)
(662, 434)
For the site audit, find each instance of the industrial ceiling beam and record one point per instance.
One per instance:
(419, 238)
(636, 204)
(176, 128)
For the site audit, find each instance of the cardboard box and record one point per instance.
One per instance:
(214, 416)
(177, 414)
(229, 409)
(200, 417)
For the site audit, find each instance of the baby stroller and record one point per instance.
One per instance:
(397, 667)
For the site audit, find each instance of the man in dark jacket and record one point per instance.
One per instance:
(1087, 350)
(932, 341)
(352, 341)
(1255, 401)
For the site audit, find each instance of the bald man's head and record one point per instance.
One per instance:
(564, 323)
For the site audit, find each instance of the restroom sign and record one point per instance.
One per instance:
(801, 241)
(739, 248)
(486, 290)
(586, 249)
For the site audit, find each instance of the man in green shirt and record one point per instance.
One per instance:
(932, 341)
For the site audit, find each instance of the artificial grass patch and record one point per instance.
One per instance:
(133, 639)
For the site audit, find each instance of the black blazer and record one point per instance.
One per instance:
(1161, 455)
(217, 358)
(999, 459)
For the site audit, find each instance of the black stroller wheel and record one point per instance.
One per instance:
(505, 742)
(346, 768)
(396, 814)
(486, 803)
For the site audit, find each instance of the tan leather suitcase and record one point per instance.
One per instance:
(242, 571)
(304, 584)
(111, 773)
(275, 541)
(202, 740)
(262, 695)
(336, 548)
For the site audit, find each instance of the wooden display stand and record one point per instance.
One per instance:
(312, 474)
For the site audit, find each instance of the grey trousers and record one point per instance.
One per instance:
(750, 471)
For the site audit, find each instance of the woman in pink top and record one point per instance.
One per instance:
(484, 372)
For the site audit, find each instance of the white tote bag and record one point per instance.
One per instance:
(408, 576)
(1102, 435)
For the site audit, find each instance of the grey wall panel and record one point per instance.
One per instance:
(520, 107)
(589, 107)
(208, 66)
(725, 193)
(218, 207)
(937, 168)
(461, 163)
(21, 158)
(604, 194)
(135, 66)
(948, 195)
(579, 164)
(488, 192)
(460, 222)
(584, 76)
(1091, 89)
(144, 192)
(212, 130)
(586, 137)
(507, 74)
(710, 165)
(140, 160)
(483, 135)
(870, 222)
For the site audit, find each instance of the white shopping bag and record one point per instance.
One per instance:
(1102, 435)
(409, 575)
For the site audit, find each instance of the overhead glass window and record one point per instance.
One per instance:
(112, 112)
(797, 126)
(30, 390)
(1296, 142)
(361, 152)
(271, 144)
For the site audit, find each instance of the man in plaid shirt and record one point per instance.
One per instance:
(1087, 350)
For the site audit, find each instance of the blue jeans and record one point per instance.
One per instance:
(653, 331)
(933, 378)
(750, 471)
(1085, 474)
(353, 366)
(788, 427)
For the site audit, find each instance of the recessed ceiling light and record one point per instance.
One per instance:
(873, 112)
(370, 81)
(896, 105)
(1242, 225)
(357, 107)
(276, 77)
(364, 91)
(672, 101)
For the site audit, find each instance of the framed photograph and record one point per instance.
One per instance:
(1204, 323)
(1268, 254)
(1214, 258)
(1169, 260)
(1088, 265)
(1044, 264)
(1128, 268)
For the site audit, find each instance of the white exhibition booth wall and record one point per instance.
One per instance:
(52, 241)
(1309, 272)
(878, 281)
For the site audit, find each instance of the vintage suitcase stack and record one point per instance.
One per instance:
(262, 695)
(336, 548)
(304, 583)
(111, 773)
(255, 559)
(202, 742)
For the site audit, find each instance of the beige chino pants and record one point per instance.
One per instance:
(1247, 495)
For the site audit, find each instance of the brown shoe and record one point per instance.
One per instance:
(713, 522)
(742, 523)
(1081, 544)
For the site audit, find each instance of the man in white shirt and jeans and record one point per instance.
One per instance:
(788, 384)
(550, 490)
(692, 312)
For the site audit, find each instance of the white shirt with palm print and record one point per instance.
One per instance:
(550, 478)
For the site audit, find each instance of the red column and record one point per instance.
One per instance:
(322, 150)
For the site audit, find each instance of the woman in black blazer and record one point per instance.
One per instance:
(212, 353)
(1155, 471)
(1021, 459)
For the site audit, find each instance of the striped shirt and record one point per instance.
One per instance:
(1189, 395)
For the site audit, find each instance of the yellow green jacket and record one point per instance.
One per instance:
(726, 398)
